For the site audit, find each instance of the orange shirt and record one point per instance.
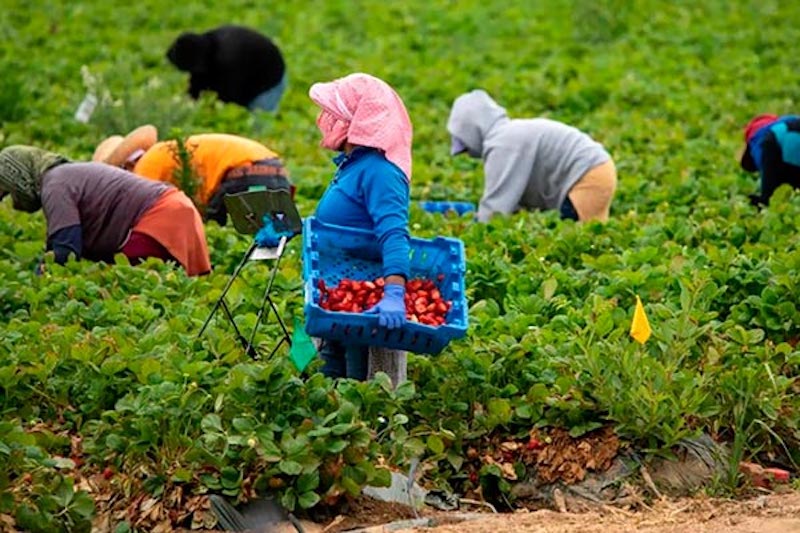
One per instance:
(173, 221)
(212, 155)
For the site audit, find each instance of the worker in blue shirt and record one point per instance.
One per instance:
(363, 118)
(773, 150)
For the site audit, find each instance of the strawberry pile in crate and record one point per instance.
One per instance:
(342, 272)
(423, 299)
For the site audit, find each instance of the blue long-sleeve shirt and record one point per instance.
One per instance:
(370, 192)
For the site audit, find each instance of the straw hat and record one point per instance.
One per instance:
(106, 147)
(116, 149)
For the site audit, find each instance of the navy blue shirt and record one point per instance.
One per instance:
(774, 151)
(370, 192)
(757, 140)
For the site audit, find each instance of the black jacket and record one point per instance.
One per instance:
(235, 62)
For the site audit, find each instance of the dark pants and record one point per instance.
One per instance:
(215, 210)
(775, 171)
(568, 211)
(344, 361)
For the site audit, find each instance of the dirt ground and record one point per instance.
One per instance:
(769, 513)
(774, 513)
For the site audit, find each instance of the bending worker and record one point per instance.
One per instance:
(532, 163)
(220, 164)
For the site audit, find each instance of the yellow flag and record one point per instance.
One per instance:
(640, 327)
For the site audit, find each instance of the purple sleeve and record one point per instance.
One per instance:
(60, 207)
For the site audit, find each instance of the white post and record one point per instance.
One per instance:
(392, 362)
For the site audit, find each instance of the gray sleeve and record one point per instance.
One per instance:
(507, 172)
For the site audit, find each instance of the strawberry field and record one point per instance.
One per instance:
(113, 411)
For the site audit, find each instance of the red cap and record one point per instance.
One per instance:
(756, 123)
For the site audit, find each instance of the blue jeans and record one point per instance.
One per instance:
(269, 99)
(568, 211)
(344, 361)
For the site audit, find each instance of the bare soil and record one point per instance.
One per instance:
(364, 512)
(772, 513)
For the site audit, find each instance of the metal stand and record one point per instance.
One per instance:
(254, 253)
(248, 211)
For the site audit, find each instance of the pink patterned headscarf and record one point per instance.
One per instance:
(366, 111)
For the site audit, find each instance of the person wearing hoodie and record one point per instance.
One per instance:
(238, 63)
(772, 148)
(532, 163)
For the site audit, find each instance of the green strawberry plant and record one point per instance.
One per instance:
(37, 492)
(109, 354)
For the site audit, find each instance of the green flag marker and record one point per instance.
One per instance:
(303, 349)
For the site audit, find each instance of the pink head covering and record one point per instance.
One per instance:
(365, 111)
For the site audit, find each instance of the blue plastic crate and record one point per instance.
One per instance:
(332, 253)
(443, 207)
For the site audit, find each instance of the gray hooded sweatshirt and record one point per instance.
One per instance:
(528, 163)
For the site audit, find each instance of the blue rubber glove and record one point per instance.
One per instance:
(392, 307)
(268, 236)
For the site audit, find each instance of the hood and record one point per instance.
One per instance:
(472, 117)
